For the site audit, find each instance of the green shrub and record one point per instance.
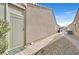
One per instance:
(3, 33)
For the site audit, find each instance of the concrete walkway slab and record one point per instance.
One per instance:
(32, 49)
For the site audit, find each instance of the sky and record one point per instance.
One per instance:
(64, 12)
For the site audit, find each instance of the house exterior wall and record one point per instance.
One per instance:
(74, 26)
(40, 23)
(77, 24)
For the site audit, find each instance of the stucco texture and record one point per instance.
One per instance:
(40, 23)
(74, 26)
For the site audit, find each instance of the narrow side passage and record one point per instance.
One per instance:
(73, 39)
(66, 45)
(32, 49)
(57, 44)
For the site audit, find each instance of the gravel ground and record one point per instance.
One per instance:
(59, 47)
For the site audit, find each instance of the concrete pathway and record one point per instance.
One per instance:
(32, 49)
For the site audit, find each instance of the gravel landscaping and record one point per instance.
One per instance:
(60, 47)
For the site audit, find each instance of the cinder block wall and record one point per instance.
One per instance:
(40, 23)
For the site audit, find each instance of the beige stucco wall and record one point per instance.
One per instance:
(72, 27)
(75, 25)
(40, 23)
